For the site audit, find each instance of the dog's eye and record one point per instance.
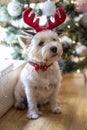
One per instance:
(54, 39)
(41, 43)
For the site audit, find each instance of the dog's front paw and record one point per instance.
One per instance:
(57, 110)
(20, 106)
(32, 115)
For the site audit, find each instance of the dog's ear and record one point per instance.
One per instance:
(60, 35)
(24, 41)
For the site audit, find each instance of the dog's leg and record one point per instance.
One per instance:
(20, 99)
(20, 104)
(33, 112)
(53, 102)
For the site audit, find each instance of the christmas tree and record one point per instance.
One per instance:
(73, 30)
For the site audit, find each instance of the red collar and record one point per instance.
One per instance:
(37, 67)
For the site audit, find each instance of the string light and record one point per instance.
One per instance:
(77, 24)
(78, 71)
(68, 26)
(74, 42)
(73, 52)
(72, 1)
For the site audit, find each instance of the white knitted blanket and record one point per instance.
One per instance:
(9, 73)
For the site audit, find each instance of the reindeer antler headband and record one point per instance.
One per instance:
(59, 18)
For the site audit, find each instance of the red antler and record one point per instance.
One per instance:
(59, 19)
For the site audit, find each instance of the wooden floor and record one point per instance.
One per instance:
(73, 101)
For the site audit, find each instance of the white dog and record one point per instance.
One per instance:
(40, 79)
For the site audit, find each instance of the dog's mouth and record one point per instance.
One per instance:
(51, 57)
(54, 55)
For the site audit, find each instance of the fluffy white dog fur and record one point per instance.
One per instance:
(42, 86)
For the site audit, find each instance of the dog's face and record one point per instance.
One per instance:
(45, 47)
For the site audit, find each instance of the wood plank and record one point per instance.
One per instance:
(73, 101)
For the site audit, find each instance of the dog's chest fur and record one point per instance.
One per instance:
(42, 83)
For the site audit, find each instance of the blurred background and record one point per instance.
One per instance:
(73, 31)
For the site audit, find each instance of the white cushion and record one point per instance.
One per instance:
(9, 73)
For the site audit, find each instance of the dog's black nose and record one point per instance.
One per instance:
(53, 49)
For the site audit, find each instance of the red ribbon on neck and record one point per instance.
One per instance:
(37, 67)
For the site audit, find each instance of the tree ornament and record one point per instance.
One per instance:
(66, 40)
(14, 8)
(48, 8)
(84, 20)
(81, 5)
(81, 50)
